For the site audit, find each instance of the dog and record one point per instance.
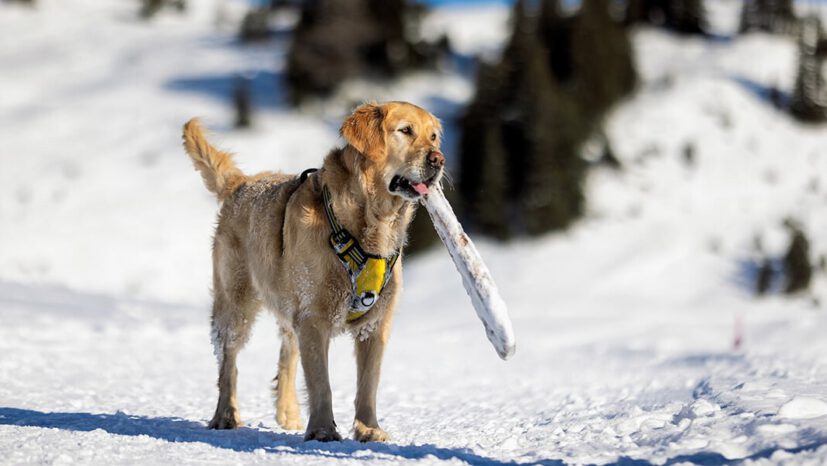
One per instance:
(321, 251)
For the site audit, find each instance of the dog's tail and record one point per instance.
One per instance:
(220, 174)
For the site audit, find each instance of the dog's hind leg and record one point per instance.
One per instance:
(287, 404)
(229, 333)
(234, 310)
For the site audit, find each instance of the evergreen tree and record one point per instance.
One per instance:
(328, 46)
(764, 279)
(391, 50)
(518, 77)
(556, 33)
(552, 197)
(821, 48)
(608, 157)
(543, 137)
(797, 267)
(492, 150)
(150, 8)
(602, 59)
(643, 11)
(684, 16)
(809, 99)
(339, 39)
(242, 103)
(491, 211)
(521, 167)
(777, 16)
(482, 185)
(255, 25)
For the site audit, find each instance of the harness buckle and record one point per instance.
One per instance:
(341, 241)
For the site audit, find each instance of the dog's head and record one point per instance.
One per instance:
(403, 141)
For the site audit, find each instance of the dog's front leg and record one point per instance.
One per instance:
(314, 341)
(368, 365)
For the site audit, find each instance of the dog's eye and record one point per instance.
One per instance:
(406, 130)
(433, 137)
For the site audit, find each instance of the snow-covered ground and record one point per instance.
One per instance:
(626, 324)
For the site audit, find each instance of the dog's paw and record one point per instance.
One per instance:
(228, 419)
(322, 434)
(288, 422)
(363, 433)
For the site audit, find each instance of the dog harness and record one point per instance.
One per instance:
(368, 273)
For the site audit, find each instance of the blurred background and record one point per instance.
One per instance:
(558, 114)
(645, 178)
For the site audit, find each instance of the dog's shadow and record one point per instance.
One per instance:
(248, 439)
(244, 439)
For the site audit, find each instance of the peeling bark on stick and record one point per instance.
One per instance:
(476, 279)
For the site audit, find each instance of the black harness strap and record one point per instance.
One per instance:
(356, 260)
(307, 173)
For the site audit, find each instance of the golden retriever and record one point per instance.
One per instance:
(272, 248)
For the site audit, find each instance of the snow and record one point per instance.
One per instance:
(626, 322)
(479, 30)
(802, 407)
(476, 279)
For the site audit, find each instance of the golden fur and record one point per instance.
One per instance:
(271, 250)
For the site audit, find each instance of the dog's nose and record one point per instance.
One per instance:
(436, 159)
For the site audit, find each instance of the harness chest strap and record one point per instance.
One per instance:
(369, 273)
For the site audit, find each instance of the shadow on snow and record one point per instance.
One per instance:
(770, 94)
(244, 439)
(264, 87)
(247, 439)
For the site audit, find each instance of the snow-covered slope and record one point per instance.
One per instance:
(626, 324)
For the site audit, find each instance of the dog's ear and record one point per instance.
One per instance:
(363, 131)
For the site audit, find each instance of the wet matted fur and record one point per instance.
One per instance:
(271, 250)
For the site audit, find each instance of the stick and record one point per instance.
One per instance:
(476, 279)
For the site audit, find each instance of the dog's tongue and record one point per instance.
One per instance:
(421, 188)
